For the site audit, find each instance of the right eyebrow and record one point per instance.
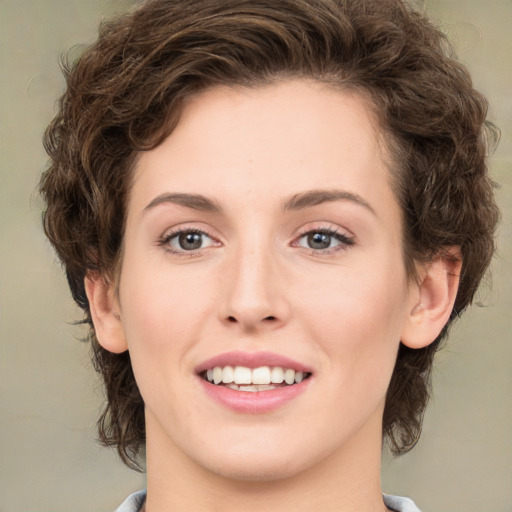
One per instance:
(193, 201)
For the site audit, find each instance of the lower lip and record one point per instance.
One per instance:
(254, 402)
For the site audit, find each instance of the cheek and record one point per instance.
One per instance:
(160, 322)
(357, 318)
(159, 306)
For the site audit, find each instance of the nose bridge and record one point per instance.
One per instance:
(253, 295)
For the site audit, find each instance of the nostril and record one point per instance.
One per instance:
(233, 320)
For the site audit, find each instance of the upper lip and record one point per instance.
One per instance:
(251, 360)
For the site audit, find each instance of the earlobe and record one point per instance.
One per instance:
(105, 313)
(432, 299)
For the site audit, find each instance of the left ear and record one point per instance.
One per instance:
(432, 298)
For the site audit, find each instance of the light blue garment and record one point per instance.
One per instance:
(400, 504)
(135, 501)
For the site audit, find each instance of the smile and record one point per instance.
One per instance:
(253, 383)
(263, 378)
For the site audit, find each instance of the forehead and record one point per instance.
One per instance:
(268, 142)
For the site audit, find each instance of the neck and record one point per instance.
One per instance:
(346, 480)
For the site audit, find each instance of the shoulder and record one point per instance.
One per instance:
(399, 504)
(133, 503)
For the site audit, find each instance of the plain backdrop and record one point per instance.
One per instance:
(50, 396)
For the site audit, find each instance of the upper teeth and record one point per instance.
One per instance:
(261, 375)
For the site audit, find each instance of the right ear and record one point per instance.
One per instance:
(105, 313)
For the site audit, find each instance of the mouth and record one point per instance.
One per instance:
(261, 378)
(253, 383)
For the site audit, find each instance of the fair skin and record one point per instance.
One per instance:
(290, 246)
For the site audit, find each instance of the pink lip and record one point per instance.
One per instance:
(252, 402)
(251, 360)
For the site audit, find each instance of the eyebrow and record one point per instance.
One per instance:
(194, 201)
(316, 197)
(296, 202)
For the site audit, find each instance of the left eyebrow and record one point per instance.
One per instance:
(193, 201)
(316, 197)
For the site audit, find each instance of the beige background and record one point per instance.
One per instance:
(50, 396)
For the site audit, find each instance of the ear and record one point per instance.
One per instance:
(432, 298)
(105, 313)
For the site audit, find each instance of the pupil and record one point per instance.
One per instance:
(190, 241)
(319, 240)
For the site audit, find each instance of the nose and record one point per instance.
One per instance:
(254, 292)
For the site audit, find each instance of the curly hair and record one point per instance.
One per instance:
(125, 94)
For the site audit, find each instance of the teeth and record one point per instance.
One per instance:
(289, 376)
(217, 375)
(261, 375)
(242, 375)
(277, 375)
(251, 387)
(257, 379)
(228, 375)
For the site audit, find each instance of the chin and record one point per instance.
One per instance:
(259, 472)
(261, 464)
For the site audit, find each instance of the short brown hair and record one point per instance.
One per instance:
(124, 95)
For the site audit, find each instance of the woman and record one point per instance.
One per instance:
(270, 212)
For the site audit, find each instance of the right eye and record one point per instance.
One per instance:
(187, 240)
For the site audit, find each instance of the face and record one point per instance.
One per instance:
(263, 242)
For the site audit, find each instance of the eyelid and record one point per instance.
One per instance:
(175, 231)
(344, 236)
(325, 227)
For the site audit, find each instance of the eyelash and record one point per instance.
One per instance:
(166, 240)
(344, 241)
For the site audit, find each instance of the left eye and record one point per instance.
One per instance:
(321, 240)
(189, 241)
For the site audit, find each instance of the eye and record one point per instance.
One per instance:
(187, 240)
(324, 239)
